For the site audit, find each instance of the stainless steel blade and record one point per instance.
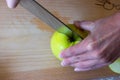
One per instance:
(40, 12)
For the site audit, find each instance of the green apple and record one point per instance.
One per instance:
(115, 66)
(62, 39)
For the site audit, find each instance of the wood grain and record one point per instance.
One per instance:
(25, 52)
(57, 74)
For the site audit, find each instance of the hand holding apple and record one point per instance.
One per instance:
(62, 39)
(99, 49)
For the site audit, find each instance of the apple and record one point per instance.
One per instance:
(62, 39)
(115, 66)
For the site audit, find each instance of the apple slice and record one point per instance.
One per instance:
(115, 66)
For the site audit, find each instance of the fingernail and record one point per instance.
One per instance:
(77, 69)
(63, 63)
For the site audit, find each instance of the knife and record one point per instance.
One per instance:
(42, 13)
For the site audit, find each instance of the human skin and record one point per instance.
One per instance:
(12, 3)
(100, 48)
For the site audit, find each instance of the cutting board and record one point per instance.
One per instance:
(25, 52)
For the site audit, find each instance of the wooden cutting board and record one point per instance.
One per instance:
(25, 52)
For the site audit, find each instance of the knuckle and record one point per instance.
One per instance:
(96, 54)
(91, 46)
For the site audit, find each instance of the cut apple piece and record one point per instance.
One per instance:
(115, 66)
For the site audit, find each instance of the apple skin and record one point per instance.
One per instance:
(62, 39)
(115, 66)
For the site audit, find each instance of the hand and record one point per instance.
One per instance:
(100, 48)
(12, 3)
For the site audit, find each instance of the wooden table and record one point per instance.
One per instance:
(25, 52)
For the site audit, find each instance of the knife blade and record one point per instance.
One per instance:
(42, 13)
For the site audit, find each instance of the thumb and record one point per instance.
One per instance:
(12, 3)
(86, 25)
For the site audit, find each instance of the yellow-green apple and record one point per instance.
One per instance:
(62, 39)
(115, 66)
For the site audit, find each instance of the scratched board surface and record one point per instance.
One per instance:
(25, 52)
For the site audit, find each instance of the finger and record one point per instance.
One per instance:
(86, 25)
(85, 64)
(78, 58)
(12, 3)
(78, 69)
(73, 50)
(78, 49)
(91, 68)
(89, 65)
